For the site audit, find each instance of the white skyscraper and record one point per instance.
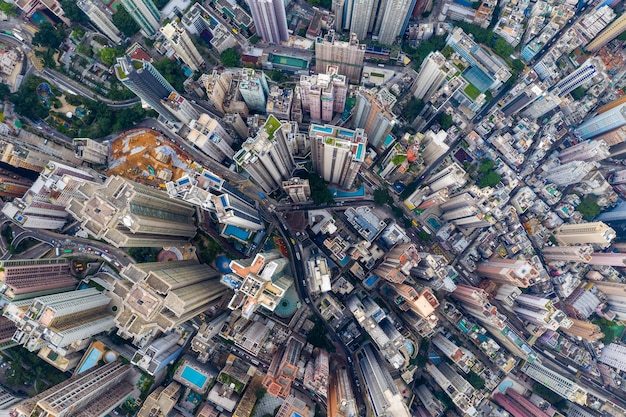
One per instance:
(591, 150)
(100, 18)
(570, 173)
(603, 122)
(395, 12)
(270, 20)
(360, 13)
(431, 76)
(181, 43)
(579, 77)
(585, 233)
(145, 13)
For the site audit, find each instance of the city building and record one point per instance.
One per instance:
(556, 382)
(29, 278)
(568, 253)
(182, 109)
(359, 15)
(260, 281)
(398, 263)
(460, 356)
(455, 386)
(157, 297)
(585, 233)
(161, 401)
(579, 77)
(614, 355)
(607, 35)
(283, 369)
(267, 157)
(584, 329)
(517, 405)
(569, 173)
(509, 271)
(145, 14)
(279, 102)
(432, 147)
(540, 312)
(209, 136)
(452, 176)
(323, 95)
(103, 20)
(13, 186)
(382, 393)
(293, 406)
(394, 20)
(365, 221)
(337, 153)
(341, 401)
(270, 20)
(60, 320)
(590, 150)
(318, 274)
(316, 374)
(182, 44)
(201, 21)
(163, 351)
(130, 214)
(603, 122)
(346, 56)
(418, 299)
(30, 7)
(91, 151)
(297, 189)
(254, 89)
(372, 113)
(43, 205)
(146, 82)
(93, 393)
(202, 343)
(431, 76)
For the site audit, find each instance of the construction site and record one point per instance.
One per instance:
(147, 157)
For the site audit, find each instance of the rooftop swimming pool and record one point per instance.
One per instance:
(90, 361)
(194, 377)
(235, 231)
(322, 129)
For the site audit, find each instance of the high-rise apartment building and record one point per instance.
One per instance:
(430, 77)
(58, 320)
(28, 278)
(452, 176)
(393, 21)
(603, 122)
(614, 137)
(13, 186)
(418, 299)
(568, 253)
(183, 46)
(159, 296)
(398, 263)
(145, 14)
(283, 369)
(360, 14)
(297, 189)
(260, 281)
(93, 393)
(316, 373)
(253, 89)
(341, 401)
(91, 151)
(569, 173)
(556, 382)
(129, 214)
(208, 135)
(372, 113)
(103, 20)
(614, 355)
(337, 8)
(585, 233)
(43, 205)
(433, 146)
(579, 77)
(584, 329)
(540, 312)
(517, 405)
(590, 150)
(607, 35)
(337, 153)
(267, 157)
(509, 271)
(455, 386)
(270, 20)
(323, 95)
(146, 82)
(346, 56)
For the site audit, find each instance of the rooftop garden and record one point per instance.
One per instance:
(271, 126)
(471, 91)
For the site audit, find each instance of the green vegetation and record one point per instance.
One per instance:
(8, 8)
(7, 234)
(408, 190)
(109, 55)
(579, 93)
(73, 12)
(398, 159)
(230, 57)
(471, 91)
(487, 176)
(208, 249)
(475, 380)
(160, 4)
(25, 368)
(445, 400)
(382, 197)
(144, 384)
(517, 65)
(436, 43)
(227, 379)
(254, 39)
(260, 393)
(324, 4)
(277, 76)
(589, 207)
(320, 193)
(49, 36)
(26, 100)
(612, 330)
(142, 255)
(486, 36)
(271, 126)
(488, 97)
(445, 121)
(101, 120)
(412, 109)
(125, 22)
(317, 337)
(447, 51)
(424, 236)
(172, 72)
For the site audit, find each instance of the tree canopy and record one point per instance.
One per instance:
(578, 93)
(73, 12)
(49, 36)
(125, 22)
(172, 72)
(230, 58)
(109, 55)
(413, 108)
(320, 193)
(589, 207)
(382, 197)
(435, 43)
(445, 121)
(488, 177)
(27, 102)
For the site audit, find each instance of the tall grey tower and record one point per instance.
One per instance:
(270, 20)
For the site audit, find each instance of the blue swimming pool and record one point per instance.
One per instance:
(90, 361)
(322, 129)
(237, 232)
(191, 375)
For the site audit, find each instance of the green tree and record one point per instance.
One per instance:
(489, 179)
(435, 43)
(125, 22)
(73, 12)
(475, 380)
(230, 57)
(4, 91)
(49, 36)
(413, 108)
(109, 55)
(502, 48)
(486, 165)
(447, 51)
(445, 121)
(8, 8)
(172, 72)
(320, 193)
(517, 65)
(382, 197)
(578, 93)
(26, 100)
(589, 207)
